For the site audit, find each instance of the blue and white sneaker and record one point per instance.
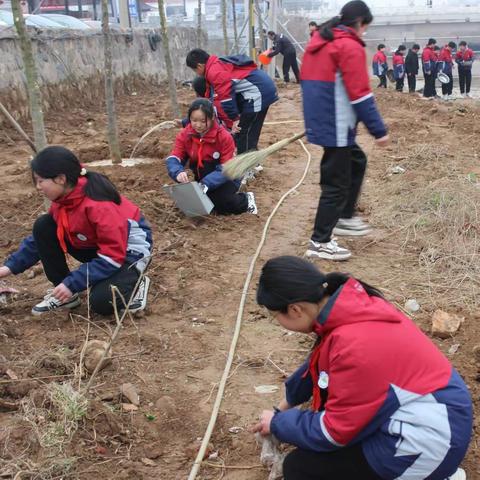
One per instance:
(50, 303)
(252, 206)
(458, 475)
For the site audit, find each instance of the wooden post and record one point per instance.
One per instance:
(109, 88)
(272, 22)
(235, 32)
(251, 30)
(31, 75)
(224, 26)
(172, 88)
(199, 24)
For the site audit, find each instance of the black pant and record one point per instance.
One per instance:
(383, 81)
(251, 125)
(345, 464)
(290, 61)
(429, 88)
(465, 79)
(412, 82)
(447, 88)
(56, 268)
(227, 199)
(341, 177)
(399, 84)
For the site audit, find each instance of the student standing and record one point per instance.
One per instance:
(411, 67)
(386, 402)
(206, 146)
(429, 66)
(380, 65)
(464, 59)
(336, 96)
(245, 93)
(312, 27)
(281, 44)
(399, 67)
(92, 222)
(446, 67)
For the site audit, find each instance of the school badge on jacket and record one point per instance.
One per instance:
(323, 380)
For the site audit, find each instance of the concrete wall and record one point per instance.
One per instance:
(69, 62)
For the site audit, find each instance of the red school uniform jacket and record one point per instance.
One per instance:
(205, 154)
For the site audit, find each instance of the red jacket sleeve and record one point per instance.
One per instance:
(221, 80)
(352, 63)
(227, 146)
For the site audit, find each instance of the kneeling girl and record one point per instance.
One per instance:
(206, 146)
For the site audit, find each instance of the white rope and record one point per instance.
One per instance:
(238, 324)
(160, 126)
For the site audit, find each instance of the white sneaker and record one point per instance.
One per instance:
(50, 303)
(139, 301)
(252, 206)
(248, 177)
(328, 251)
(469, 95)
(464, 95)
(258, 168)
(444, 97)
(354, 227)
(458, 475)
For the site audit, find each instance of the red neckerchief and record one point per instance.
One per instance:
(199, 143)
(313, 371)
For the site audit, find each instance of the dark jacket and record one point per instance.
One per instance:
(411, 63)
(281, 44)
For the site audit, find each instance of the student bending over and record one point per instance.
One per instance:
(206, 146)
(386, 403)
(92, 222)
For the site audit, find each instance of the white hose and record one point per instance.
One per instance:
(238, 324)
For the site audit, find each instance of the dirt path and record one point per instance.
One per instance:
(175, 353)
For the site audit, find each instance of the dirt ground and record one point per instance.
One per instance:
(425, 246)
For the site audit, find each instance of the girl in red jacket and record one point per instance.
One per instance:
(399, 67)
(385, 402)
(206, 146)
(96, 225)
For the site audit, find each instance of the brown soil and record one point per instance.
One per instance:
(175, 352)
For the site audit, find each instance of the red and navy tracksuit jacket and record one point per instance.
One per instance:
(398, 66)
(465, 59)
(239, 85)
(119, 233)
(379, 64)
(445, 61)
(205, 154)
(429, 61)
(336, 90)
(378, 380)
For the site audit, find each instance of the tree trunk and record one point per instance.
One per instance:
(260, 26)
(224, 26)
(168, 61)
(113, 142)
(199, 24)
(235, 31)
(31, 74)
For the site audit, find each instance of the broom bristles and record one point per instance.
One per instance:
(237, 166)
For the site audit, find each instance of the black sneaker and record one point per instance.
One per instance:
(49, 303)
(139, 301)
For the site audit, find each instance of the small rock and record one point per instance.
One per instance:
(397, 169)
(166, 406)
(129, 391)
(235, 429)
(93, 354)
(148, 462)
(412, 306)
(129, 407)
(453, 349)
(444, 324)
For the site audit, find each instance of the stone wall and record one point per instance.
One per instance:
(72, 62)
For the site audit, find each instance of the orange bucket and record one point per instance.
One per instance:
(263, 58)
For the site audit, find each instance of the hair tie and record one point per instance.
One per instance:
(325, 285)
(83, 171)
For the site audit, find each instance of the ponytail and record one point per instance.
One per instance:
(352, 13)
(287, 279)
(100, 188)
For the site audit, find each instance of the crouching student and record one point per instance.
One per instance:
(97, 226)
(399, 67)
(386, 403)
(206, 146)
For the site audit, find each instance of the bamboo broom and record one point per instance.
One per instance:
(237, 166)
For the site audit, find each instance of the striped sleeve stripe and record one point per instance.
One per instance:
(362, 99)
(109, 260)
(325, 432)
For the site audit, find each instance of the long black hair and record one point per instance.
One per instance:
(287, 279)
(352, 13)
(54, 161)
(400, 49)
(204, 105)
